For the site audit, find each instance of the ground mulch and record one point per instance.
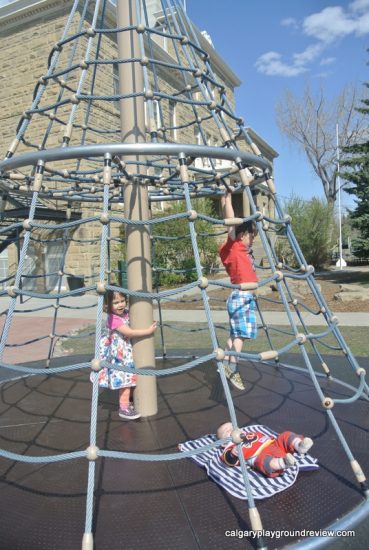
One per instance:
(328, 282)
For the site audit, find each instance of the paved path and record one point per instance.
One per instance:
(31, 320)
(270, 317)
(87, 312)
(28, 328)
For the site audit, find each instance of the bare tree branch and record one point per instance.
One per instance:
(310, 123)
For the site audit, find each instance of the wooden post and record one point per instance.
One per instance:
(245, 205)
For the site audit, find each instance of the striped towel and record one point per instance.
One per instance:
(231, 479)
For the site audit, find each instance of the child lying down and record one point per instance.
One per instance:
(229, 476)
(264, 453)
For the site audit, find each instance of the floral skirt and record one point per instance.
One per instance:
(116, 350)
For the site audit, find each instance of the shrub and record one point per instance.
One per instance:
(314, 227)
(172, 253)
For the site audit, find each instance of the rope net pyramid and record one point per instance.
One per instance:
(128, 118)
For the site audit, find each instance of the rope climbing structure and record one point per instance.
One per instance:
(129, 118)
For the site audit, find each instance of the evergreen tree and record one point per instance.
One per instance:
(356, 159)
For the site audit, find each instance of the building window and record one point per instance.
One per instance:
(4, 268)
(206, 160)
(197, 133)
(199, 141)
(157, 117)
(161, 40)
(172, 119)
(216, 161)
(53, 263)
(210, 87)
(116, 84)
(29, 281)
(164, 38)
(155, 113)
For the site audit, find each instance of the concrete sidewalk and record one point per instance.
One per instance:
(270, 317)
(83, 308)
(35, 320)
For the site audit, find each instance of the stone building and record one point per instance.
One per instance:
(29, 31)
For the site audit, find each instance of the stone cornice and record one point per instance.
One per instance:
(17, 13)
(220, 66)
(265, 148)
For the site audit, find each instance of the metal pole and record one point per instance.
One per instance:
(136, 206)
(341, 262)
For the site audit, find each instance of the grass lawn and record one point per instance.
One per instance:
(196, 336)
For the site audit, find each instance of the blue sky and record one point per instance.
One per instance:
(276, 44)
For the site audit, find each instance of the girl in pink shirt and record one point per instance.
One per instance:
(116, 349)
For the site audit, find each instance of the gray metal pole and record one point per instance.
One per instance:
(341, 262)
(136, 207)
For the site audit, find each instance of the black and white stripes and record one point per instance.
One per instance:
(231, 479)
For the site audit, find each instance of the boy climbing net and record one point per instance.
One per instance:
(236, 256)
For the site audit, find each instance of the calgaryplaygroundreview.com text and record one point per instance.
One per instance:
(240, 534)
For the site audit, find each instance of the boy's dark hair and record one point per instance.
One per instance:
(247, 227)
(108, 299)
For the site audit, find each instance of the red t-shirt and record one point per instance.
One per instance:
(238, 262)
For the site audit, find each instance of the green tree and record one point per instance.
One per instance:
(173, 259)
(314, 227)
(356, 160)
(173, 255)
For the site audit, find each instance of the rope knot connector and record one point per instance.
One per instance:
(219, 354)
(27, 225)
(192, 215)
(237, 436)
(203, 282)
(96, 365)
(100, 287)
(92, 452)
(11, 291)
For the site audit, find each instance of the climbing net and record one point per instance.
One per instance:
(89, 175)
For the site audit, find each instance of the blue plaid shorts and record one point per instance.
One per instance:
(241, 311)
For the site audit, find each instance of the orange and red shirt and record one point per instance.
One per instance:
(238, 262)
(253, 444)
